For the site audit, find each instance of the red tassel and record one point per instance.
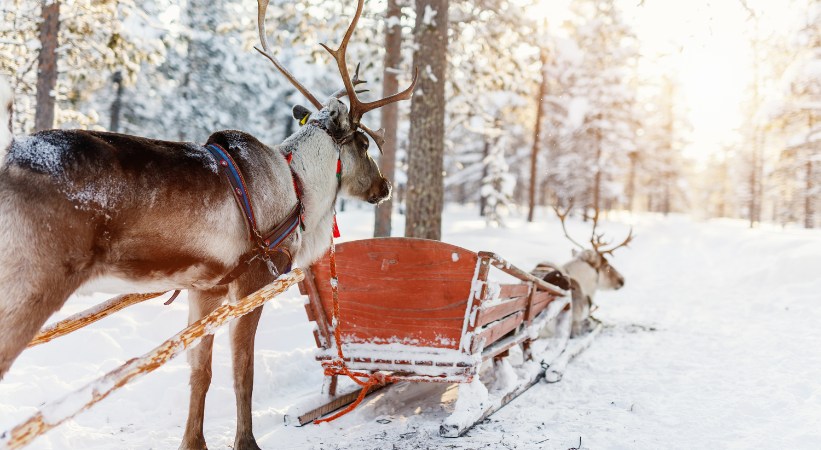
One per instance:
(289, 157)
(336, 228)
(339, 167)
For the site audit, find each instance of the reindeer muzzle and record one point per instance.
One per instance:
(380, 192)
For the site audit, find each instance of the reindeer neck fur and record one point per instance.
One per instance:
(315, 155)
(581, 271)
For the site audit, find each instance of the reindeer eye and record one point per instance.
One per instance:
(362, 142)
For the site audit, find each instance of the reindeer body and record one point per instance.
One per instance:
(84, 206)
(81, 206)
(588, 272)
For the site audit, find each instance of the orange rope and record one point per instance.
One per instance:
(338, 365)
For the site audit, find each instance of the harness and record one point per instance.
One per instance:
(270, 245)
(265, 246)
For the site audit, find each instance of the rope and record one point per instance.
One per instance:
(338, 365)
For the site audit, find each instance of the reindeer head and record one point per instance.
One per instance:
(360, 177)
(606, 276)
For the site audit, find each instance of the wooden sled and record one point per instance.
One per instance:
(425, 311)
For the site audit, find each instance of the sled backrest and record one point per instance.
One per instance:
(406, 301)
(395, 291)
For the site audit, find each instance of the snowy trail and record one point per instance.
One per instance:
(732, 362)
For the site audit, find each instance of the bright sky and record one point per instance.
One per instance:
(705, 45)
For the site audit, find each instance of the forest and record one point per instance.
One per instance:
(645, 173)
(535, 102)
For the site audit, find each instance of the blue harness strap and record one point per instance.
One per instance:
(231, 171)
(265, 246)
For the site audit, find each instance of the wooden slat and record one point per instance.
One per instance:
(314, 300)
(490, 314)
(516, 272)
(469, 327)
(502, 345)
(496, 331)
(309, 311)
(334, 404)
(514, 290)
(412, 290)
(540, 301)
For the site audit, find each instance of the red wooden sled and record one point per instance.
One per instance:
(422, 310)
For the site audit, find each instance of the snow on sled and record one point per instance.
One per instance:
(415, 310)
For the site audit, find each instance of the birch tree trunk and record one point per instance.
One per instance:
(390, 113)
(427, 130)
(47, 65)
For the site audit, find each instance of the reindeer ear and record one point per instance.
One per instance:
(302, 114)
(574, 252)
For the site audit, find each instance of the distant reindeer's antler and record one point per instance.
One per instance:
(357, 107)
(597, 241)
(624, 243)
(562, 218)
(262, 7)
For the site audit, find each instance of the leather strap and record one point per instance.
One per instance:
(267, 247)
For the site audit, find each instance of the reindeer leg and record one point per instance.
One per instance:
(580, 307)
(34, 285)
(243, 332)
(201, 303)
(24, 313)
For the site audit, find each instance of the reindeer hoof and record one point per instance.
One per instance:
(193, 446)
(246, 443)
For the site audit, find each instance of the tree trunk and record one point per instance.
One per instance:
(808, 197)
(534, 152)
(597, 177)
(809, 214)
(117, 104)
(427, 131)
(753, 182)
(631, 181)
(47, 66)
(482, 197)
(390, 113)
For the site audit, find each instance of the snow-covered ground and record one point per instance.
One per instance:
(711, 344)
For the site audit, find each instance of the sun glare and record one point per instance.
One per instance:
(705, 47)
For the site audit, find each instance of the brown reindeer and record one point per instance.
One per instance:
(78, 206)
(589, 271)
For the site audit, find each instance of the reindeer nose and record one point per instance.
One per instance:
(382, 192)
(621, 283)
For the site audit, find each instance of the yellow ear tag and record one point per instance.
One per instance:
(304, 119)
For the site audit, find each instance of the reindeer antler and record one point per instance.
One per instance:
(359, 108)
(624, 243)
(262, 7)
(562, 217)
(596, 239)
(355, 81)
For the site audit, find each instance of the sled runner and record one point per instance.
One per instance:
(414, 310)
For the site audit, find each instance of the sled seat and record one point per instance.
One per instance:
(422, 310)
